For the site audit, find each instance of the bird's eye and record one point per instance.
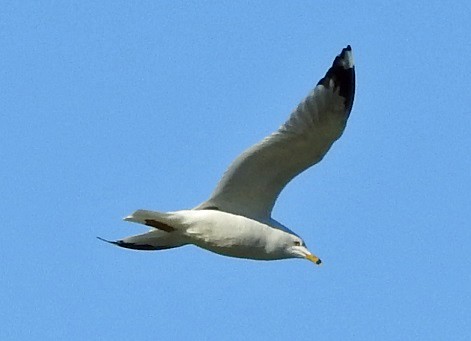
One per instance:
(297, 243)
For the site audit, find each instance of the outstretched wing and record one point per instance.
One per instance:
(254, 180)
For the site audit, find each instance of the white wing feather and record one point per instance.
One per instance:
(254, 180)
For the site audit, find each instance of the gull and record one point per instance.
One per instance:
(236, 220)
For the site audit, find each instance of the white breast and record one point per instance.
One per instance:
(232, 235)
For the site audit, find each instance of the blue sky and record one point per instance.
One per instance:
(111, 106)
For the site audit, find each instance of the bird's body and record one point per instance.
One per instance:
(217, 231)
(236, 220)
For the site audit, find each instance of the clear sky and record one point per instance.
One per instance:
(111, 106)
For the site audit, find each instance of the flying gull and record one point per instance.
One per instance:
(236, 220)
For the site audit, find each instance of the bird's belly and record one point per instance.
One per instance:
(233, 236)
(238, 250)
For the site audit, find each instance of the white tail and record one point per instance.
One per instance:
(164, 232)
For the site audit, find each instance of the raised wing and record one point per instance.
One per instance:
(255, 178)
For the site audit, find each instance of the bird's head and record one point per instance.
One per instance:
(296, 248)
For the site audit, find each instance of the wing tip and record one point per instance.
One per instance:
(346, 58)
(117, 243)
(342, 75)
(133, 246)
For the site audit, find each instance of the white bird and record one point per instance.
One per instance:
(236, 220)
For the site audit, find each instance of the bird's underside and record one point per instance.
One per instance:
(245, 196)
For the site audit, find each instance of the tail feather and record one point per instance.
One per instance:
(159, 220)
(164, 233)
(150, 241)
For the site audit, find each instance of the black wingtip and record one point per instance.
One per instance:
(117, 243)
(105, 240)
(132, 246)
(342, 73)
